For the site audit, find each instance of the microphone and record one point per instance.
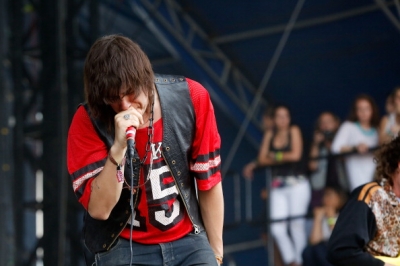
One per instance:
(130, 140)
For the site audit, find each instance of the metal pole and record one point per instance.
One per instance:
(397, 3)
(263, 84)
(237, 197)
(55, 119)
(388, 14)
(270, 244)
(16, 27)
(301, 24)
(249, 200)
(6, 245)
(75, 96)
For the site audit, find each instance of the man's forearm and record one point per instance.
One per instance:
(106, 190)
(212, 211)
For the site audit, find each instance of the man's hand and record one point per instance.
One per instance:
(122, 121)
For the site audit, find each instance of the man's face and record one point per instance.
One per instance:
(139, 102)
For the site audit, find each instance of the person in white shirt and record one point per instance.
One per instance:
(359, 134)
(390, 123)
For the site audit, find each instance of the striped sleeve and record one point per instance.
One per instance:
(368, 191)
(86, 155)
(206, 159)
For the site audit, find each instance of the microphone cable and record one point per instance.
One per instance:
(130, 135)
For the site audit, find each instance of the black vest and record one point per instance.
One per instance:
(178, 132)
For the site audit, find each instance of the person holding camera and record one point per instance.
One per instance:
(327, 125)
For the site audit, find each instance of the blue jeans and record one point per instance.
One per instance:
(189, 250)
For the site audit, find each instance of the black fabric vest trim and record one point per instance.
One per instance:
(178, 132)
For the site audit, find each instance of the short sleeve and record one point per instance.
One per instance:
(206, 159)
(86, 154)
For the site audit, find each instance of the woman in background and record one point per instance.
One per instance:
(326, 128)
(290, 194)
(324, 221)
(358, 135)
(267, 124)
(390, 123)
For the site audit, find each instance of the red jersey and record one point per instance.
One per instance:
(160, 215)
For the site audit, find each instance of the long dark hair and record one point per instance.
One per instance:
(374, 121)
(113, 63)
(317, 123)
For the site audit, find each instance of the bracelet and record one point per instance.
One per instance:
(331, 221)
(120, 174)
(114, 161)
(219, 259)
(278, 156)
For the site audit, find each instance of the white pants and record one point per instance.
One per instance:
(360, 169)
(290, 236)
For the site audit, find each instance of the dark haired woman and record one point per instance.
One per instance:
(367, 231)
(359, 134)
(323, 169)
(290, 195)
(390, 123)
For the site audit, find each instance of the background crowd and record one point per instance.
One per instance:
(311, 182)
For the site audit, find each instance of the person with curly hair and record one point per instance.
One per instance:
(367, 231)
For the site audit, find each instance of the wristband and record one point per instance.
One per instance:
(278, 156)
(219, 259)
(120, 174)
(331, 221)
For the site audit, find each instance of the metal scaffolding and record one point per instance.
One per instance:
(6, 137)
(391, 17)
(19, 178)
(301, 24)
(228, 85)
(36, 111)
(53, 83)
